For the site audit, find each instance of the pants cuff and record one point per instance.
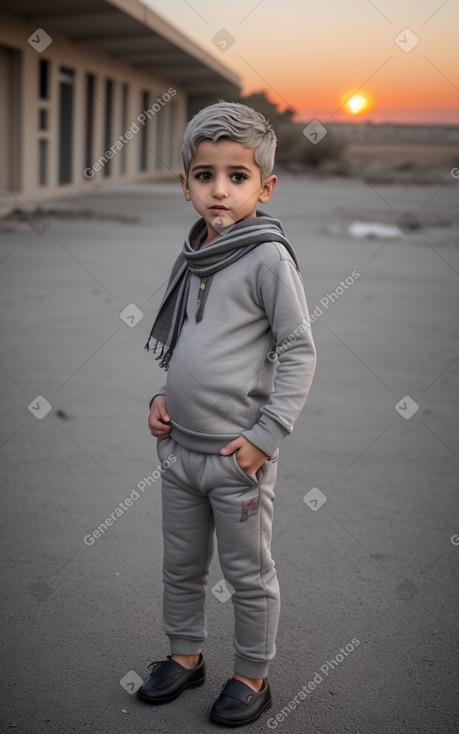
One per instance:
(185, 646)
(250, 668)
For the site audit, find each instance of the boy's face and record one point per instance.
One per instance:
(224, 184)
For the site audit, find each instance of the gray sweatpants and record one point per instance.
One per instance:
(202, 493)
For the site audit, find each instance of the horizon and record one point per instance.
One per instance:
(398, 56)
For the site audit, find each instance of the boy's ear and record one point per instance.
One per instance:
(185, 189)
(267, 185)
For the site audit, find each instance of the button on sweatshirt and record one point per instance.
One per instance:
(246, 368)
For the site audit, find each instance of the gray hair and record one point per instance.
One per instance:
(233, 121)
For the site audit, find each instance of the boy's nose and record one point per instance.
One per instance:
(219, 189)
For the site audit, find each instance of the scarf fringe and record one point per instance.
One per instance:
(164, 357)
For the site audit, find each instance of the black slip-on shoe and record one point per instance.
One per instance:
(168, 679)
(238, 704)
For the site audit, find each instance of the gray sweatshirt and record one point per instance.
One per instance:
(247, 366)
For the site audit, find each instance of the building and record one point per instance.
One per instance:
(95, 91)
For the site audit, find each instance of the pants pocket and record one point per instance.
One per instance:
(249, 479)
(162, 447)
(252, 480)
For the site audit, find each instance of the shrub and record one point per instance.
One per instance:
(295, 152)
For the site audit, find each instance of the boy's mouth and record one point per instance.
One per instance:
(218, 208)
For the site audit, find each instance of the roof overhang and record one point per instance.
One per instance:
(133, 34)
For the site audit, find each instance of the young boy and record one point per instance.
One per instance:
(234, 336)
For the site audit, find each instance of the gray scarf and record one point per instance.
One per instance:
(221, 252)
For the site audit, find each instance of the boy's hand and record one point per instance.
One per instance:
(248, 456)
(159, 417)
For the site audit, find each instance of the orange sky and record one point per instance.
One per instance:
(308, 53)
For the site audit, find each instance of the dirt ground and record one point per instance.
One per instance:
(416, 162)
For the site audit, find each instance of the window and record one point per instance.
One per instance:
(66, 123)
(124, 123)
(11, 117)
(159, 140)
(89, 122)
(43, 79)
(108, 123)
(144, 134)
(173, 131)
(42, 162)
(42, 119)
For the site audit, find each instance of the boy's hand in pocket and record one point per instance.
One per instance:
(248, 456)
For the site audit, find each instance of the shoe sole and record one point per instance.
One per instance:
(193, 684)
(229, 722)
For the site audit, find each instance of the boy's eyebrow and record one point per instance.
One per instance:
(244, 168)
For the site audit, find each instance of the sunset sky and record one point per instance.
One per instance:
(313, 54)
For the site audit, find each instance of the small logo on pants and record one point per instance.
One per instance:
(249, 507)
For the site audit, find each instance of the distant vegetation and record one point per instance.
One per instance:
(295, 152)
(386, 153)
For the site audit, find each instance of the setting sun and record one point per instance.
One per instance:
(356, 104)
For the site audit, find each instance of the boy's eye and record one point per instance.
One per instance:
(207, 176)
(238, 177)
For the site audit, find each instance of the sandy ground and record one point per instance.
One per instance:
(376, 564)
(415, 162)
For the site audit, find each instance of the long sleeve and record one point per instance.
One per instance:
(282, 296)
(161, 391)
